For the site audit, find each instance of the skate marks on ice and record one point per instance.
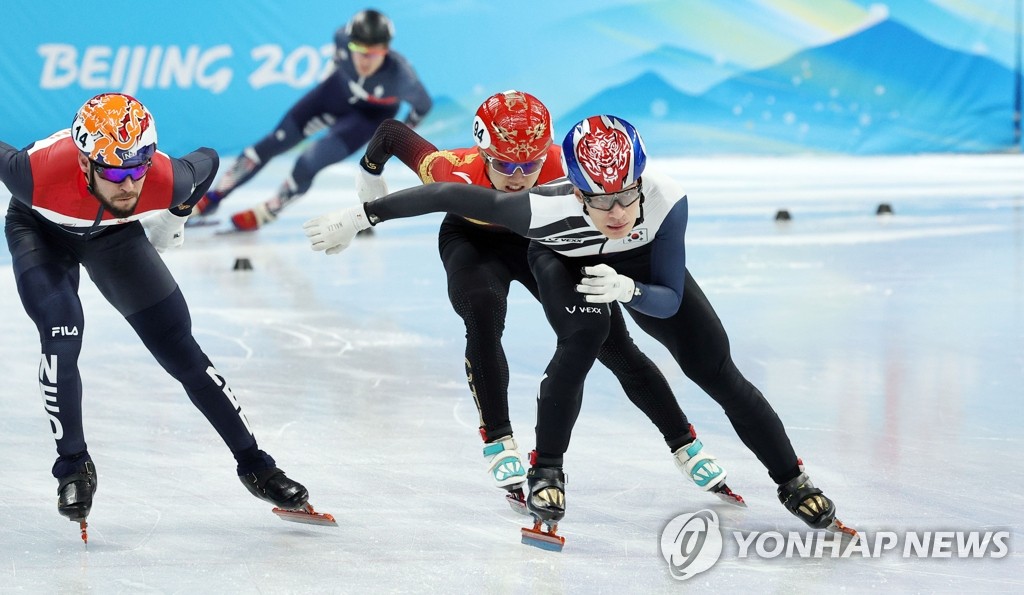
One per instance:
(343, 375)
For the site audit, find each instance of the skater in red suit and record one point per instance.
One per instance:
(514, 152)
(78, 197)
(613, 233)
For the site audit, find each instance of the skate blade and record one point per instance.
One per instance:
(85, 534)
(194, 221)
(307, 515)
(545, 540)
(728, 496)
(517, 502)
(837, 526)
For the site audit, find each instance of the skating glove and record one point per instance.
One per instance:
(165, 230)
(602, 285)
(334, 231)
(369, 186)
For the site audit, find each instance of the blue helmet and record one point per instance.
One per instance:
(603, 154)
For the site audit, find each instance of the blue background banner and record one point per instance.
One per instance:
(697, 77)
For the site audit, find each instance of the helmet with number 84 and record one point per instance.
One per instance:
(513, 127)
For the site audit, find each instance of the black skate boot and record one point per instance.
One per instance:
(546, 502)
(274, 486)
(74, 495)
(288, 496)
(810, 505)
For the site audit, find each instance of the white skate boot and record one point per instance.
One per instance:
(505, 466)
(703, 469)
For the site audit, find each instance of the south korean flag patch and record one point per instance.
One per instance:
(637, 235)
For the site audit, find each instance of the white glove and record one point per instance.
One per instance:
(369, 186)
(334, 231)
(165, 230)
(603, 285)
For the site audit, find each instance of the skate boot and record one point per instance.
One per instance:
(74, 495)
(207, 205)
(810, 505)
(703, 469)
(288, 496)
(275, 487)
(546, 502)
(505, 466)
(240, 170)
(254, 218)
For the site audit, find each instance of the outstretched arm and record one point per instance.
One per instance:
(333, 232)
(510, 210)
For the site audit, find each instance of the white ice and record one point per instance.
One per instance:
(892, 348)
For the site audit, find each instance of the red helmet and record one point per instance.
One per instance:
(513, 126)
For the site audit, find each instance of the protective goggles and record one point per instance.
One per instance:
(605, 202)
(508, 168)
(120, 174)
(358, 48)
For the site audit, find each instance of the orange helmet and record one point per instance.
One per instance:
(115, 130)
(513, 126)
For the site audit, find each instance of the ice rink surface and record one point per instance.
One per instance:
(892, 348)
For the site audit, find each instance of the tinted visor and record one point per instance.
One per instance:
(508, 168)
(605, 202)
(358, 48)
(119, 174)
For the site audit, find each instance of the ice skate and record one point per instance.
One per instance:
(254, 218)
(703, 469)
(74, 496)
(208, 204)
(505, 466)
(546, 502)
(202, 211)
(289, 497)
(810, 505)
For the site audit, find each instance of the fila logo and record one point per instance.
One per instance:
(64, 331)
(584, 310)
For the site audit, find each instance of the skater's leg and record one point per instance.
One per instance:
(478, 286)
(643, 383)
(317, 109)
(581, 328)
(349, 129)
(698, 342)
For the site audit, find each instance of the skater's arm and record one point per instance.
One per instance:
(193, 176)
(16, 173)
(415, 94)
(510, 210)
(662, 296)
(395, 138)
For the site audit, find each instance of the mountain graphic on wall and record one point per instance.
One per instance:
(885, 89)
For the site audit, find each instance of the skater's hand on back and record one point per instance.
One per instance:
(165, 230)
(333, 232)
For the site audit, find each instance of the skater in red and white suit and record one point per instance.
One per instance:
(78, 196)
